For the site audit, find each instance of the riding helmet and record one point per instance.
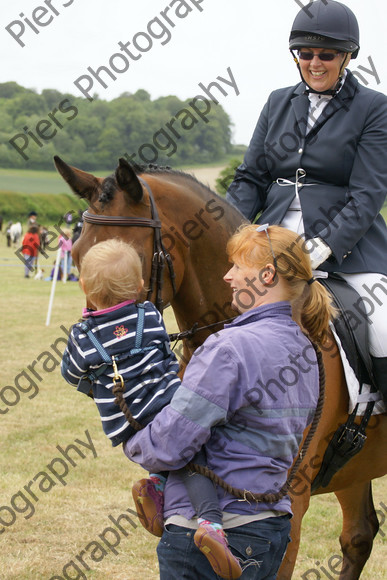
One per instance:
(326, 24)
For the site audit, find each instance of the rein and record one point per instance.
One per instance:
(160, 256)
(273, 497)
(244, 494)
(176, 336)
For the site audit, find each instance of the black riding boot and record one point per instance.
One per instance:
(379, 367)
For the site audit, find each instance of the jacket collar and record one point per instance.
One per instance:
(266, 311)
(300, 103)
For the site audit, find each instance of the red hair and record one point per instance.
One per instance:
(252, 248)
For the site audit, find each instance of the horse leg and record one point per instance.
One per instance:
(360, 526)
(300, 506)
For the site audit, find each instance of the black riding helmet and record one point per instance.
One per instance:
(325, 24)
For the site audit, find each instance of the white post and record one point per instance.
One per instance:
(53, 284)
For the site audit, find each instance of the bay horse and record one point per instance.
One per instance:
(162, 211)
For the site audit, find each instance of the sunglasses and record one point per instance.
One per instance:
(324, 56)
(264, 228)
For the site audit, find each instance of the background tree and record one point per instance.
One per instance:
(94, 134)
(226, 176)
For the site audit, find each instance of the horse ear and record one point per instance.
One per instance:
(128, 180)
(82, 183)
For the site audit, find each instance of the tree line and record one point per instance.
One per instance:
(168, 131)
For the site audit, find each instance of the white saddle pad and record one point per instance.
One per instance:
(354, 386)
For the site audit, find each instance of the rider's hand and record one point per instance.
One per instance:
(318, 251)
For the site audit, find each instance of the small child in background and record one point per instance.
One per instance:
(120, 352)
(66, 245)
(30, 248)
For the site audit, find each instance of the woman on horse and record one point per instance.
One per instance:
(317, 164)
(247, 395)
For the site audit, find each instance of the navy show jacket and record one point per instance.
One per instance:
(345, 158)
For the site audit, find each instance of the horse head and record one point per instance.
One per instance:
(119, 206)
(192, 222)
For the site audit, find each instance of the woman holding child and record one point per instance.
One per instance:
(250, 433)
(247, 433)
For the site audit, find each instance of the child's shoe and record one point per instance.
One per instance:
(213, 544)
(149, 506)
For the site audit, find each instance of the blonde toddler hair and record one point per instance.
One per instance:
(111, 273)
(251, 248)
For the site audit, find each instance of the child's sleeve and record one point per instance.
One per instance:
(74, 365)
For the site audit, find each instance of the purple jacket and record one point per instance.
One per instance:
(248, 394)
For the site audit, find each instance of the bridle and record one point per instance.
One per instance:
(160, 256)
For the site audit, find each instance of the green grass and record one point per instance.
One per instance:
(69, 518)
(31, 181)
(50, 413)
(43, 191)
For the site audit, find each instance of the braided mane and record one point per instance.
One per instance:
(109, 185)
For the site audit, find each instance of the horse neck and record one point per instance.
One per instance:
(200, 223)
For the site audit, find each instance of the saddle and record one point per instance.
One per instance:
(349, 438)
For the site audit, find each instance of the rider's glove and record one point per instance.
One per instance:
(318, 251)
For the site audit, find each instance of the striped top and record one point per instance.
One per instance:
(150, 376)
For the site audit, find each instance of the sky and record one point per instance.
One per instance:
(245, 42)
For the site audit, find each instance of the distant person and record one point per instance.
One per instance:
(77, 229)
(66, 244)
(68, 217)
(51, 276)
(8, 234)
(32, 219)
(43, 237)
(30, 249)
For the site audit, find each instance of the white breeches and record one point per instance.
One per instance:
(372, 288)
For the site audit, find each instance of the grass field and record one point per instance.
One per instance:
(49, 195)
(32, 181)
(51, 523)
(29, 181)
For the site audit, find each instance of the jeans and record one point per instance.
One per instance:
(29, 264)
(259, 546)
